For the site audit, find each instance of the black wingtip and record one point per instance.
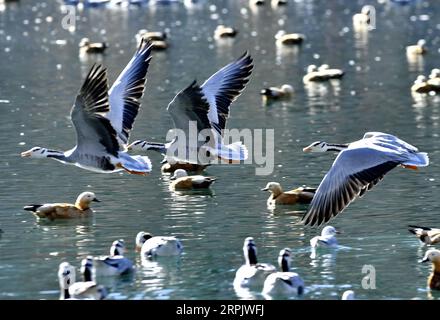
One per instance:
(32, 207)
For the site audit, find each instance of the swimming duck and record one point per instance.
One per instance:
(283, 282)
(302, 195)
(104, 118)
(434, 79)
(52, 211)
(326, 239)
(224, 32)
(323, 73)
(153, 246)
(85, 46)
(252, 273)
(419, 48)
(348, 295)
(115, 263)
(150, 35)
(284, 91)
(422, 85)
(283, 38)
(363, 19)
(359, 166)
(433, 255)
(425, 234)
(188, 167)
(183, 181)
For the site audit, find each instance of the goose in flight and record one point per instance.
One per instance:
(358, 167)
(104, 118)
(207, 107)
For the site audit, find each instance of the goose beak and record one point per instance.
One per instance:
(307, 149)
(424, 260)
(26, 154)
(264, 189)
(338, 232)
(96, 200)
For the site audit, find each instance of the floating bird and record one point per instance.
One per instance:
(53, 211)
(103, 121)
(419, 48)
(358, 167)
(284, 282)
(348, 295)
(323, 73)
(188, 167)
(66, 276)
(182, 181)
(283, 38)
(85, 46)
(252, 273)
(205, 108)
(363, 19)
(153, 246)
(285, 91)
(150, 35)
(421, 85)
(425, 234)
(433, 255)
(224, 32)
(302, 195)
(115, 263)
(326, 239)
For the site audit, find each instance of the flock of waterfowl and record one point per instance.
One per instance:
(103, 119)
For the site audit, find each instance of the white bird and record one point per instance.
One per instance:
(152, 247)
(205, 109)
(181, 180)
(348, 295)
(252, 274)
(284, 282)
(66, 276)
(103, 120)
(363, 18)
(326, 239)
(115, 263)
(358, 167)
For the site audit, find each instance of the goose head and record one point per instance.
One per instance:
(287, 88)
(39, 153)
(348, 295)
(273, 187)
(284, 259)
(66, 277)
(250, 251)
(87, 269)
(117, 248)
(84, 42)
(311, 68)
(139, 145)
(317, 146)
(421, 43)
(179, 173)
(141, 237)
(329, 231)
(432, 255)
(84, 199)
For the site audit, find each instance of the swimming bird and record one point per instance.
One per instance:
(153, 246)
(433, 255)
(323, 73)
(359, 166)
(188, 167)
(363, 19)
(66, 276)
(115, 263)
(53, 211)
(326, 239)
(285, 91)
(85, 46)
(103, 120)
(251, 274)
(224, 32)
(150, 35)
(348, 295)
(283, 38)
(283, 282)
(423, 85)
(419, 48)
(205, 110)
(302, 195)
(182, 181)
(425, 234)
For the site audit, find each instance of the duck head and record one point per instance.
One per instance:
(273, 187)
(141, 237)
(179, 173)
(84, 199)
(66, 277)
(287, 88)
(117, 248)
(84, 42)
(87, 269)
(250, 251)
(284, 259)
(432, 255)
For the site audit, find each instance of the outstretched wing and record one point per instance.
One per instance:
(126, 92)
(94, 132)
(223, 87)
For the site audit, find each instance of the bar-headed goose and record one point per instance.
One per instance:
(203, 111)
(416, 49)
(115, 263)
(103, 120)
(182, 181)
(425, 234)
(153, 246)
(303, 195)
(433, 256)
(283, 282)
(85, 46)
(327, 238)
(224, 32)
(285, 39)
(359, 166)
(53, 211)
(252, 274)
(285, 91)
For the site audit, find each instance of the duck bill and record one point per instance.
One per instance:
(96, 200)
(26, 154)
(424, 260)
(264, 189)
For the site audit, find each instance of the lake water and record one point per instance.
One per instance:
(40, 78)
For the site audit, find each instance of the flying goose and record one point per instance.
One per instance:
(303, 195)
(115, 263)
(285, 91)
(53, 211)
(205, 108)
(433, 256)
(419, 48)
(153, 246)
(283, 282)
(283, 38)
(224, 32)
(251, 274)
(326, 239)
(103, 121)
(182, 181)
(358, 167)
(85, 46)
(425, 234)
